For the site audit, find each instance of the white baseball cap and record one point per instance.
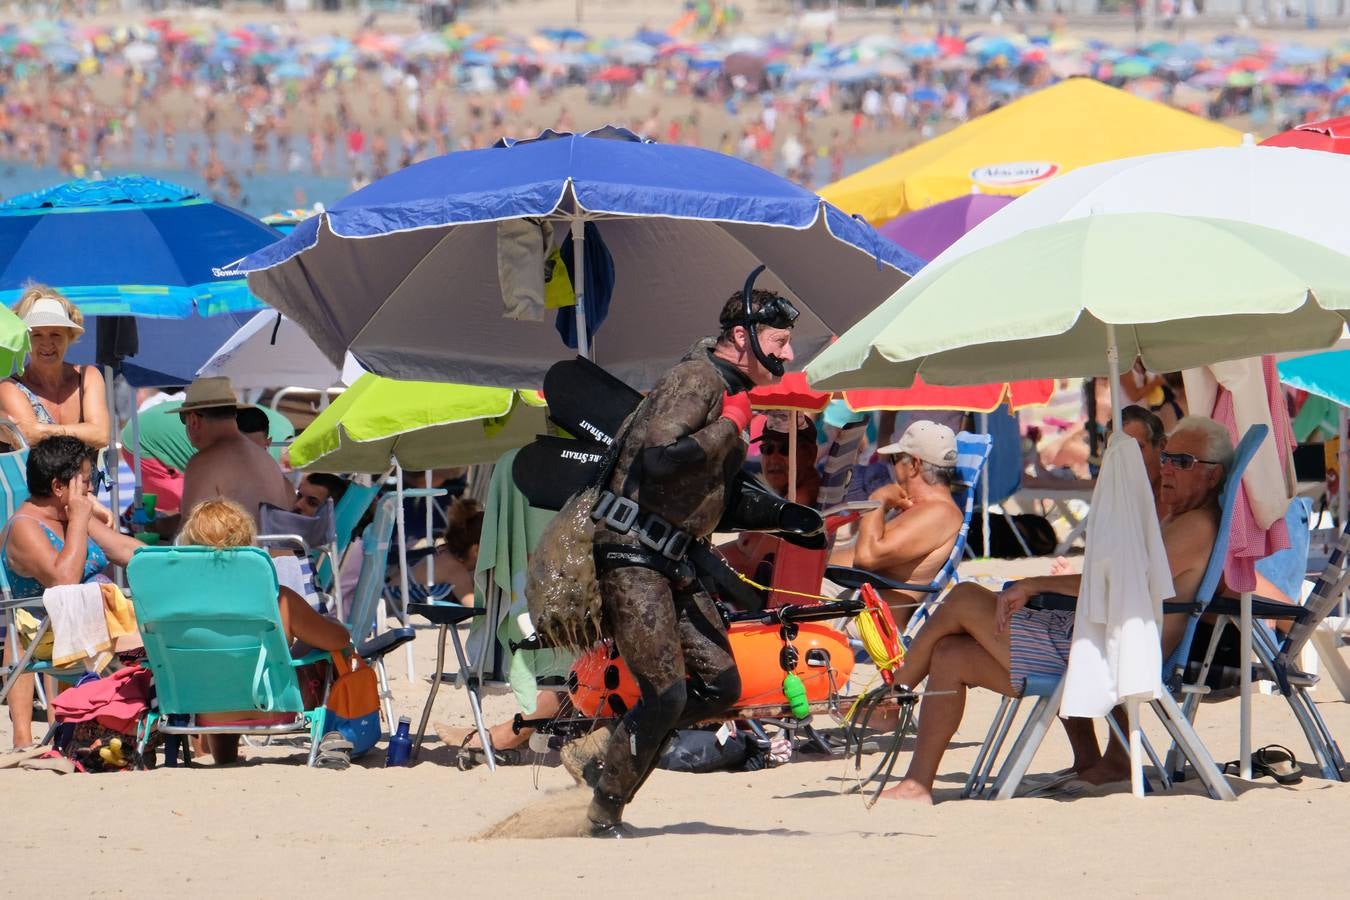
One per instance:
(48, 312)
(928, 441)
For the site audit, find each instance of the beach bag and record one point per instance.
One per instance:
(561, 588)
(353, 708)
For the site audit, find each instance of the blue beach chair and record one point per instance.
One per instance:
(972, 454)
(1277, 657)
(215, 643)
(1048, 690)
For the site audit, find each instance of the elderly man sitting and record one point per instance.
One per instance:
(981, 639)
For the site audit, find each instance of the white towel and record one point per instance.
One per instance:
(79, 627)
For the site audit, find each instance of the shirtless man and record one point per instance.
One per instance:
(970, 640)
(914, 545)
(227, 464)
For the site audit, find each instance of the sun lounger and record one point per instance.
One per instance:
(215, 643)
(1048, 690)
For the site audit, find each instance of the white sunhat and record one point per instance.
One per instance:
(925, 440)
(48, 312)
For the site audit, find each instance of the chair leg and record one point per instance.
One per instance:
(431, 695)
(470, 682)
(386, 694)
(989, 750)
(1124, 739)
(1185, 737)
(1028, 742)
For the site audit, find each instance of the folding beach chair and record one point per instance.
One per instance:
(312, 539)
(1049, 690)
(972, 453)
(215, 643)
(1277, 656)
(13, 492)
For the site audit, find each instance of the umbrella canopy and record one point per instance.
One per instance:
(1324, 374)
(13, 343)
(927, 232)
(1177, 291)
(1248, 183)
(128, 246)
(405, 272)
(168, 351)
(1022, 145)
(272, 351)
(164, 436)
(1331, 135)
(420, 425)
(970, 398)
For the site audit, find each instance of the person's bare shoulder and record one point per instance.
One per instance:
(1190, 536)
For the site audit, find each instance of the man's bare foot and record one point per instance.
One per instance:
(910, 790)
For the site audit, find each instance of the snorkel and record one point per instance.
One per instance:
(777, 313)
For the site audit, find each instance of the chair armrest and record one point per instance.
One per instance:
(1262, 608)
(311, 658)
(1069, 603)
(850, 577)
(384, 642)
(440, 613)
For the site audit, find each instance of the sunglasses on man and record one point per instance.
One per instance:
(1185, 461)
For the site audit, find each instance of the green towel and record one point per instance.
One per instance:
(1318, 419)
(511, 528)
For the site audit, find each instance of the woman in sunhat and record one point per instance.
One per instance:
(53, 397)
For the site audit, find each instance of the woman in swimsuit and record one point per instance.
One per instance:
(53, 397)
(54, 539)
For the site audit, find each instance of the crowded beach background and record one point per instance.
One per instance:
(269, 110)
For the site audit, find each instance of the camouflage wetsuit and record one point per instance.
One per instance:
(677, 461)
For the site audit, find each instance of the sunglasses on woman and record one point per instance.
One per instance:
(1185, 461)
(98, 480)
(771, 447)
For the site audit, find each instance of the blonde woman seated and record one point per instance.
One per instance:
(222, 524)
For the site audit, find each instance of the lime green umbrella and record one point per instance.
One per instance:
(418, 424)
(1178, 291)
(13, 343)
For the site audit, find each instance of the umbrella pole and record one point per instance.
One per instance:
(1135, 739)
(402, 555)
(792, 459)
(984, 491)
(1113, 373)
(431, 542)
(579, 288)
(136, 452)
(1342, 458)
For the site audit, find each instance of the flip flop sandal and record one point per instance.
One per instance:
(334, 740)
(1278, 762)
(467, 757)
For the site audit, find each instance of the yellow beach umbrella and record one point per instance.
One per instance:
(1013, 149)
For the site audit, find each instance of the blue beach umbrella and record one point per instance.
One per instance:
(133, 249)
(127, 246)
(1324, 374)
(408, 272)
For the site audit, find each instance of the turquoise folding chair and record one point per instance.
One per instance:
(13, 492)
(1048, 690)
(215, 643)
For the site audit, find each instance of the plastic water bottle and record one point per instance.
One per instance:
(400, 744)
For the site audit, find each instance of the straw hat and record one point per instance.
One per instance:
(210, 393)
(48, 312)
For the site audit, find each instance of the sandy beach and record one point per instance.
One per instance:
(271, 826)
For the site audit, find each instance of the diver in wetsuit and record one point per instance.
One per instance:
(669, 487)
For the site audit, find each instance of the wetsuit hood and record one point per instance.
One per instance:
(736, 380)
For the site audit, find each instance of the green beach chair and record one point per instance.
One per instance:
(215, 642)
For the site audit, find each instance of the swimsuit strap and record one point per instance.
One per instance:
(40, 412)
